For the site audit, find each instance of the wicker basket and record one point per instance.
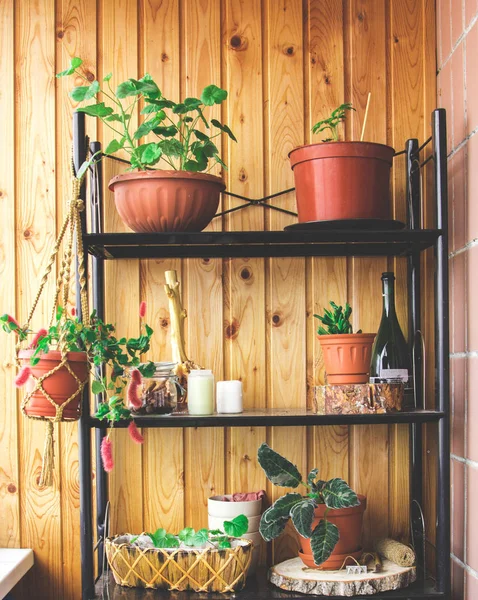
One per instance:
(208, 570)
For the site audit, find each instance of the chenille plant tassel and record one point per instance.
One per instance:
(107, 454)
(34, 343)
(133, 398)
(23, 376)
(134, 433)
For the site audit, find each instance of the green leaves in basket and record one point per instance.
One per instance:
(162, 539)
(237, 527)
(190, 537)
(278, 469)
(324, 538)
(337, 494)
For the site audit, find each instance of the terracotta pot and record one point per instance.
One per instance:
(347, 357)
(60, 386)
(162, 201)
(342, 180)
(349, 523)
(334, 562)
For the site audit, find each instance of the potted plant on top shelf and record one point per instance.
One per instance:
(328, 518)
(337, 180)
(347, 355)
(182, 198)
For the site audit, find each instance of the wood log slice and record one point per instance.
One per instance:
(293, 575)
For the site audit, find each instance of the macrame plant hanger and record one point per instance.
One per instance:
(71, 226)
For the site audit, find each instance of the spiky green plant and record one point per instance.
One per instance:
(336, 320)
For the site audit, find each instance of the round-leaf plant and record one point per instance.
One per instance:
(175, 126)
(334, 493)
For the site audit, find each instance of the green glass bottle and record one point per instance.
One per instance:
(391, 360)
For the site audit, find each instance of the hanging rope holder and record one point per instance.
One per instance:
(70, 229)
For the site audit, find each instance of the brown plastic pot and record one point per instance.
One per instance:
(349, 523)
(60, 386)
(162, 201)
(342, 180)
(347, 357)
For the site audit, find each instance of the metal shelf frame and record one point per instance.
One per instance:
(409, 242)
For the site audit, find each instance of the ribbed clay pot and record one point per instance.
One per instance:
(342, 180)
(164, 201)
(60, 386)
(349, 523)
(347, 357)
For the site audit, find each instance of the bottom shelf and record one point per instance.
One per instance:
(257, 588)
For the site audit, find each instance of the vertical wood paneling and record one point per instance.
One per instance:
(204, 466)
(35, 224)
(366, 38)
(9, 484)
(286, 64)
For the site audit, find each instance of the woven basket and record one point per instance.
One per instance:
(208, 570)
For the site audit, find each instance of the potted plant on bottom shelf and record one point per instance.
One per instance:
(182, 198)
(347, 355)
(204, 561)
(328, 518)
(337, 180)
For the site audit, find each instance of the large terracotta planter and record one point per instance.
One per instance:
(342, 180)
(347, 357)
(60, 386)
(349, 523)
(162, 201)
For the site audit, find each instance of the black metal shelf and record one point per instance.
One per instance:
(235, 244)
(276, 417)
(257, 588)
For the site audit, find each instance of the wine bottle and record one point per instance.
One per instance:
(391, 360)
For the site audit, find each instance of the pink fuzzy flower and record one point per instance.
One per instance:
(34, 343)
(73, 311)
(142, 309)
(11, 319)
(23, 376)
(107, 454)
(134, 433)
(136, 376)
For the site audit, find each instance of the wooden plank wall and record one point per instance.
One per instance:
(286, 63)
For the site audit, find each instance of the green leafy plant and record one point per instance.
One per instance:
(334, 493)
(336, 321)
(332, 123)
(175, 126)
(102, 347)
(197, 539)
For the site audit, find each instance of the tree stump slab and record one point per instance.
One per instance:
(294, 576)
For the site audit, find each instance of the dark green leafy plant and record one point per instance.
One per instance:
(174, 126)
(332, 123)
(102, 347)
(194, 539)
(334, 493)
(336, 321)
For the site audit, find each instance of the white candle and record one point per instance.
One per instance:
(200, 392)
(229, 396)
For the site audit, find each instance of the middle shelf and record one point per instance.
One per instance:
(276, 417)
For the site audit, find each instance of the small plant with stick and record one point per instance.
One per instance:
(336, 321)
(332, 123)
(334, 493)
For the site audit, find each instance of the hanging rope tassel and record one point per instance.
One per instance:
(46, 476)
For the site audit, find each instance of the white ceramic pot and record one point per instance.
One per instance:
(218, 522)
(217, 507)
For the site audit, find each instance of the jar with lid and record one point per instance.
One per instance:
(200, 392)
(159, 393)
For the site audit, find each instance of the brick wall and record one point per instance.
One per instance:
(457, 58)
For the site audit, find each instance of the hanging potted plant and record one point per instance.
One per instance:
(347, 355)
(182, 198)
(328, 518)
(336, 180)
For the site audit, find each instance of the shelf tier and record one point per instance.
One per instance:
(236, 244)
(257, 588)
(276, 417)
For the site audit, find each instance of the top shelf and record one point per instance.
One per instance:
(237, 244)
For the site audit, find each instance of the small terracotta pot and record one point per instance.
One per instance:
(347, 357)
(349, 523)
(334, 563)
(162, 201)
(342, 180)
(60, 386)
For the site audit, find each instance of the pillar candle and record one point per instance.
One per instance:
(200, 392)
(229, 396)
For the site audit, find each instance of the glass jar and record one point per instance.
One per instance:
(200, 392)
(159, 393)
